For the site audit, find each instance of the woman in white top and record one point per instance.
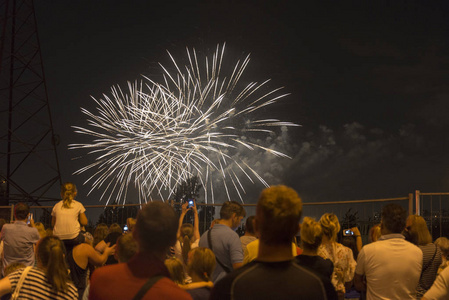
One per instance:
(68, 215)
(188, 234)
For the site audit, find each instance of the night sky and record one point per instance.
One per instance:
(368, 82)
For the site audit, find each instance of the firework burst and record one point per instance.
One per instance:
(155, 135)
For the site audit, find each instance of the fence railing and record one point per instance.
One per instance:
(432, 206)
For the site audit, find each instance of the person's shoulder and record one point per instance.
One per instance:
(203, 239)
(253, 243)
(412, 247)
(58, 205)
(33, 230)
(108, 271)
(76, 203)
(7, 227)
(223, 286)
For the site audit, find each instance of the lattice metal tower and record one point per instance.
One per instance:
(29, 168)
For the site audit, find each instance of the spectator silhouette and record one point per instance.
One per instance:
(126, 248)
(341, 256)
(155, 233)
(274, 274)
(311, 237)
(78, 259)
(188, 235)
(176, 269)
(443, 244)
(224, 241)
(49, 280)
(389, 268)
(68, 215)
(19, 240)
(200, 267)
(418, 233)
(249, 235)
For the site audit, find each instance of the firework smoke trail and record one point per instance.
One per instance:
(156, 135)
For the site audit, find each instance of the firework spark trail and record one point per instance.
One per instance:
(156, 136)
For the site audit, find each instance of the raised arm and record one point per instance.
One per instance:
(98, 259)
(184, 210)
(358, 238)
(196, 223)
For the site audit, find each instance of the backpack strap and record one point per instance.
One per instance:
(144, 289)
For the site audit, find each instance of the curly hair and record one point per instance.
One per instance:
(311, 234)
(278, 213)
(331, 226)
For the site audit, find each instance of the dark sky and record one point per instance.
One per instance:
(368, 82)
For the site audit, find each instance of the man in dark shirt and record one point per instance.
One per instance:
(274, 274)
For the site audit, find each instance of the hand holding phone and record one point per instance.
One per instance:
(30, 216)
(348, 232)
(190, 203)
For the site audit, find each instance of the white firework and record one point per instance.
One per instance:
(157, 135)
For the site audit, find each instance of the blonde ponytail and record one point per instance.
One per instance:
(68, 194)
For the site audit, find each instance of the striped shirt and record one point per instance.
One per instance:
(431, 262)
(37, 286)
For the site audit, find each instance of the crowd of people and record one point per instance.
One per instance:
(165, 257)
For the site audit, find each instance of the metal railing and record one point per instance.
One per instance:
(434, 207)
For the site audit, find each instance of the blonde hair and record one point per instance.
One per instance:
(330, 225)
(68, 194)
(443, 244)
(418, 230)
(201, 262)
(13, 267)
(40, 227)
(176, 269)
(115, 228)
(278, 213)
(374, 233)
(100, 233)
(130, 222)
(311, 234)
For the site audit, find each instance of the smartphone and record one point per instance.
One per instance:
(125, 228)
(30, 216)
(348, 232)
(190, 201)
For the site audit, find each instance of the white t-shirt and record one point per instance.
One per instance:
(67, 224)
(392, 267)
(440, 288)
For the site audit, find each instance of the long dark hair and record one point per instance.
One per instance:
(50, 253)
